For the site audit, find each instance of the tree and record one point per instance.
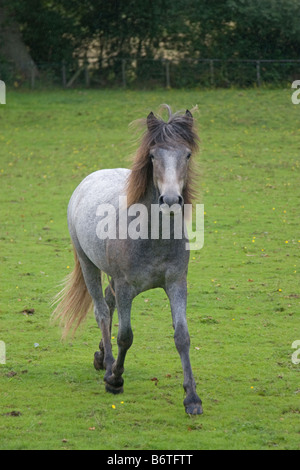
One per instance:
(149, 29)
(12, 46)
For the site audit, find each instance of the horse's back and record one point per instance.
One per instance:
(100, 187)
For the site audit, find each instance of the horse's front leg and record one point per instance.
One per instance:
(177, 293)
(114, 381)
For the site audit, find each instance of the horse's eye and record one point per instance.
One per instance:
(151, 157)
(188, 156)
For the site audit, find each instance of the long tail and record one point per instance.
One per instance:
(74, 301)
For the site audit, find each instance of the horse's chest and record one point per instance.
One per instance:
(149, 268)
(146, 264)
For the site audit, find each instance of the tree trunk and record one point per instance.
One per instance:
(12, 47)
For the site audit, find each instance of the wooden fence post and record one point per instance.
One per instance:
(168, 83)
(32, 75)
(212, 72)
(64, 73)
(124, 72)
(258, 75)
(86, 73)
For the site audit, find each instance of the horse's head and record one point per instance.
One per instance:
(170, 170)
(164, 157)
(170, 158)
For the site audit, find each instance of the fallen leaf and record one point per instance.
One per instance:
(13, 413)
(28, 311)
(11, 374)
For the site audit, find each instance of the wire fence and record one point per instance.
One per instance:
(151, 73)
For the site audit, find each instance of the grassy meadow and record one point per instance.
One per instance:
(244, 298)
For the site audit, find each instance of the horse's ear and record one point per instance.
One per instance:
(150, 119)
(189, 114)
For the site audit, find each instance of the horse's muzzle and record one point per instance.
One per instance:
(170, 203)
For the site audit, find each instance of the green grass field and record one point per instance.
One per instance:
(244, 297)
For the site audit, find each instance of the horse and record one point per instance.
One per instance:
(162, 175)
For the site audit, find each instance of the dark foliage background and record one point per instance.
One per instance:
(57, 30)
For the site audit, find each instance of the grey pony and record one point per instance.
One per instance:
(160, 176)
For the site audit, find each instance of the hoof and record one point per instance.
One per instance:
(98, 360)
(114, 390)
(113, 385)
(194, 409)
(193, 405)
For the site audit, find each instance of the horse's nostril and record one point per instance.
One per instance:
(161, 200)
(170, 200)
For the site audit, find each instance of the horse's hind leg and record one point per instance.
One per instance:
(114, 381)
(92, 278)
(110, 299)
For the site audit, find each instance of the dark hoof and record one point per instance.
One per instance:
(194, 409)
(114, 390)
(98, 360)
(114, 385)
(193, 405)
